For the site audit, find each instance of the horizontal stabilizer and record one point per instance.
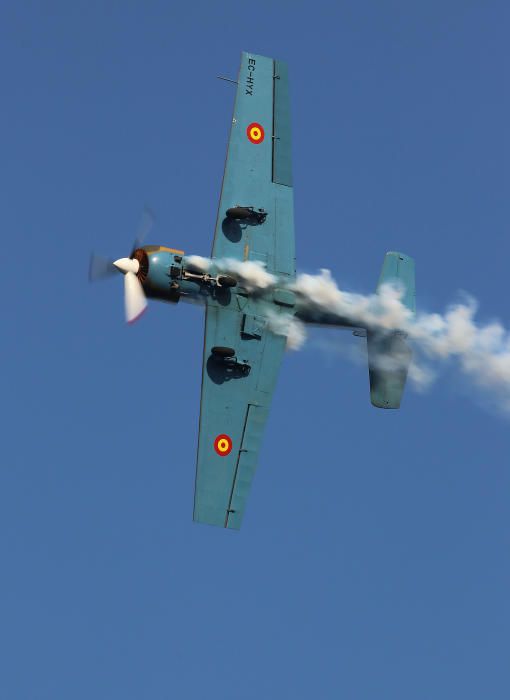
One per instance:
(389, 354)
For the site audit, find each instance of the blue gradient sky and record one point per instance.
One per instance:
(374, 560)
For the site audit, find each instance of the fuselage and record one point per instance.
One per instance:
(168, 275)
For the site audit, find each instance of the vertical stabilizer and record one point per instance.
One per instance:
(389, 354)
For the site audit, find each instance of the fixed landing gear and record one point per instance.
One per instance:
(248, 214)
(227, 357)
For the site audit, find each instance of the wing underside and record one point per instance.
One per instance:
(258, 171)
(237, 391)
(234, 407)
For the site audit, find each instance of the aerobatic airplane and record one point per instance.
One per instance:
(242, 351)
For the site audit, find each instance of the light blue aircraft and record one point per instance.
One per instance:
(242, 352)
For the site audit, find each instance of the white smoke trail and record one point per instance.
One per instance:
(251, 273)
(480, 351)
(289, 326)
(384, 310)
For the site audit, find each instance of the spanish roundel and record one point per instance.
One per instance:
(255, 132)
(223, 445)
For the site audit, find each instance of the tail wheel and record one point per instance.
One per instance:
(227, 281)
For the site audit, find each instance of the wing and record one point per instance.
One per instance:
(234, 407)
(258, 170)
(237, 391)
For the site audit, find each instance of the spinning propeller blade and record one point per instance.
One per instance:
(146, 223)
(135, 302)
(134, 298)
(100, 268)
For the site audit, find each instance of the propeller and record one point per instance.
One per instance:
(100, 267)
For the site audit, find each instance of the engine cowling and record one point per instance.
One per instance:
(160, 272)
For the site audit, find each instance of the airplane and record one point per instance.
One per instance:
(242, 352)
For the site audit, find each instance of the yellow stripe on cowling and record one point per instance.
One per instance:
(172, 250)
(150, 249)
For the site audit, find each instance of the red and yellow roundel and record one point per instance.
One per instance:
(223, 445)
(255, 132)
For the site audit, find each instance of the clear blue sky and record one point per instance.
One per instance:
(374, 559)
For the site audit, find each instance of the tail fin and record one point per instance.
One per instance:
(389, 354)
